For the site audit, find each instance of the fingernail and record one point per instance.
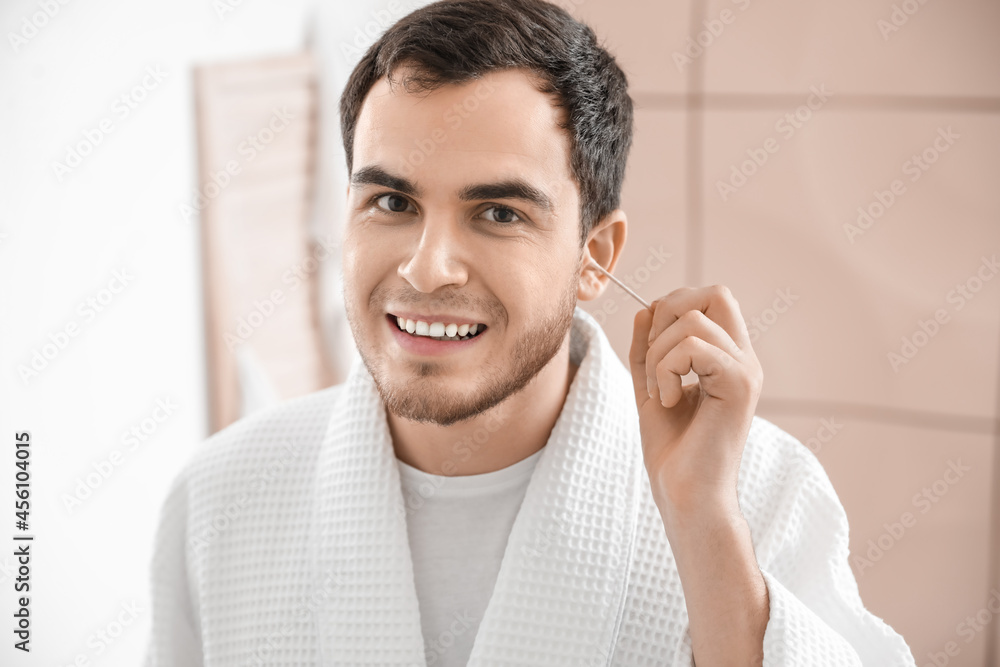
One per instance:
(650, 387)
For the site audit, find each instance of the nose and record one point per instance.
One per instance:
(437, 261)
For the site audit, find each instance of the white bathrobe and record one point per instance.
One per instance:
(284, 542)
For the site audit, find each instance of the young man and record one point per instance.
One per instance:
(490, 485)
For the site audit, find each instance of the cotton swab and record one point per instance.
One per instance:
(622, 285)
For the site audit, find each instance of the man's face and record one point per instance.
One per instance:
(441, 221)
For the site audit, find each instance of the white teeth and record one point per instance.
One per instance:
(436, 329)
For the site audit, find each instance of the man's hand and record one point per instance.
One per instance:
(692, 443)
(693, 436)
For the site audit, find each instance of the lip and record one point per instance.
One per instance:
(428, 346)
(437, 317)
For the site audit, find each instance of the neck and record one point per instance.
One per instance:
(495, 439)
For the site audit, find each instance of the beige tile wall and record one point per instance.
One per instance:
(828, 298)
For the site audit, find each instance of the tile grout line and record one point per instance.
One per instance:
(842, 102)
(694, 142)
(897, 416)
(993, 564)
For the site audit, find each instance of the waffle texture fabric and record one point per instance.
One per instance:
(283, 541)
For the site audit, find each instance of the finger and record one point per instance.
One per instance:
(716, 302)
(637, 354)
(692, 323)
(717, 371)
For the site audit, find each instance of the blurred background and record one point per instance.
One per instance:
(170, 207)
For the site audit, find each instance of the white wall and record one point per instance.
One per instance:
(61, 242)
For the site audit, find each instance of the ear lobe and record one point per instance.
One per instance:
(603, 248)
(592, 281)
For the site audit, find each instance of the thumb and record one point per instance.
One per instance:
(641, 325)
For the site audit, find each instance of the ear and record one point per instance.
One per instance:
(604, 245)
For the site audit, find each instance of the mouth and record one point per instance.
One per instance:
(435, 331)
(425, 345)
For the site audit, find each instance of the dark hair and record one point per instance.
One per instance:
(456, 41)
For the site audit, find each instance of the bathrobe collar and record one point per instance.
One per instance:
(560, 592)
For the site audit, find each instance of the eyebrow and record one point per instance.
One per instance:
(511, 188)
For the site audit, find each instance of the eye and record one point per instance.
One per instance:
(505, 213)
(396, 202)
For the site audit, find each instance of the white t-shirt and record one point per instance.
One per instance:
(458, 528)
